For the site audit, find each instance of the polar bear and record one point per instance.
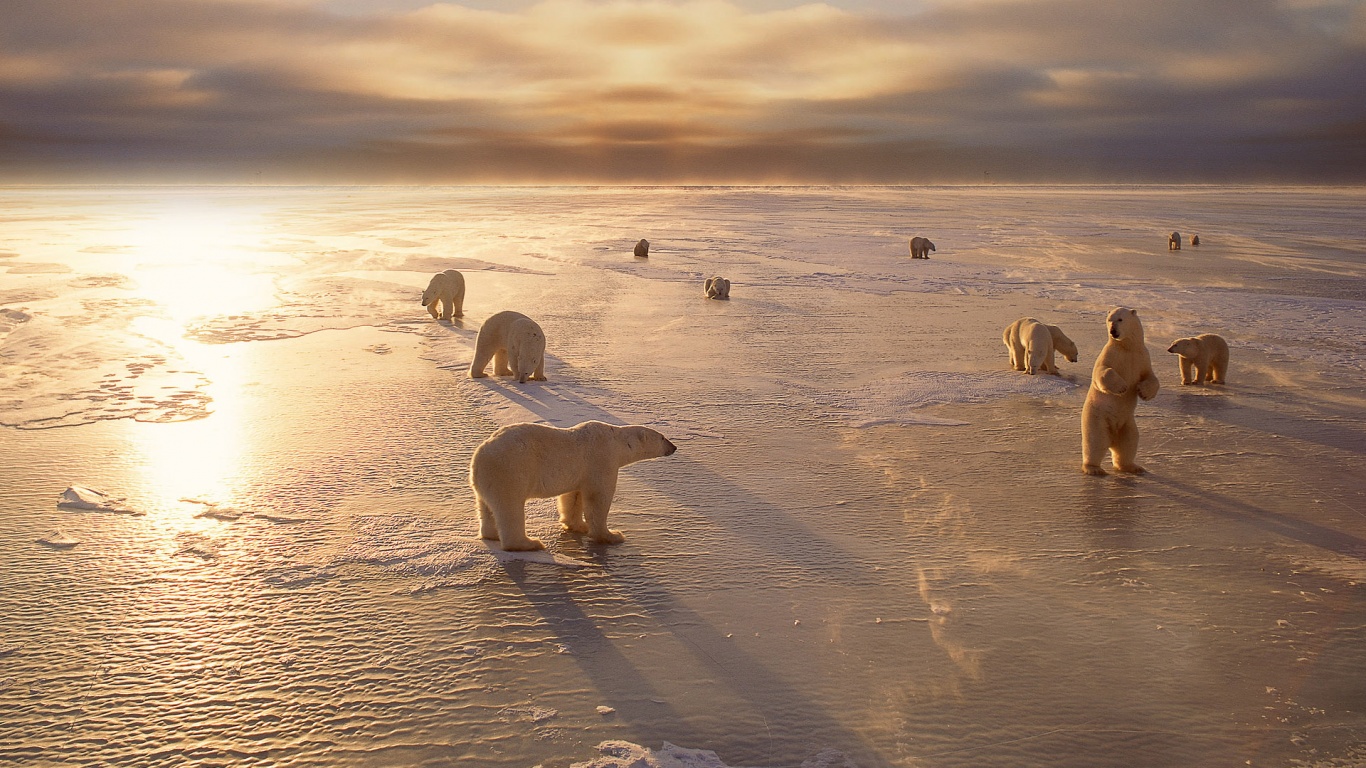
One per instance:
(448, 288)
(643, 249)
(578, 465)
(716, 288)
(510, 338)
(1174, 242)
(1195, 240)
(921, 247)
(1206, 353)
(1122, 374)
(1031, 344)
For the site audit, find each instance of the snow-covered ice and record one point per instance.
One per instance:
(873, 547)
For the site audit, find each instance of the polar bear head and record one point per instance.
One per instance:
(1187, 347)
(639, 443)
(1124, 324)
(1065, 346)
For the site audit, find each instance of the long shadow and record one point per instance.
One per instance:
(1284, 525)
(766, 527)
(621, 684)
(1238, 413)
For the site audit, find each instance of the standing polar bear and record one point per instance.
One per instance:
(578, 465)
(1206, 353)
(1174, 242)
(510, 338)
(716, 288)
(921, 247)
(1122, 374)
(1032, 343)
(448, 288)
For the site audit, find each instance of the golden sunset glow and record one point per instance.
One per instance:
(657, 91)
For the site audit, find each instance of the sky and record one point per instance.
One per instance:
(683, 91)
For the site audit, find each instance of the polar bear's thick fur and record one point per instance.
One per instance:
(1195, 239)
(1031, 344)
(1206, 353)
(716, 288)
(1122, 374)
(1174, 242)
(921, 247)
(578, 465)
(516, 345)
(643, 249)
(448, 288)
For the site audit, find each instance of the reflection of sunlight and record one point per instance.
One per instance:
(199, 459)
(201, 258)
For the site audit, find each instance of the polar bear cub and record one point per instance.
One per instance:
(515, 344)
(448, 288)
(1206, 353)
(1031, 344)
(1122, 374)
(577, 465)
(716, 288)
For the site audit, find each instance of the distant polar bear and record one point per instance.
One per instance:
(1031, 344)
(448, 288)
(642, 249)
(1206, 353)
(1122, 374)
(578, 465)
(510, 338)
(716, 288)
(1174, 242)
(921, 247)
(1195, 239)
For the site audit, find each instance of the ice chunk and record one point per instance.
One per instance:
(58, 539)
(624, 754)
(82, 497)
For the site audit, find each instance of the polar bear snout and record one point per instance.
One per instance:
(1114, 331)
(1172, 348)
(670, 447)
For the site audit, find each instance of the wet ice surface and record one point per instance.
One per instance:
(873, 547)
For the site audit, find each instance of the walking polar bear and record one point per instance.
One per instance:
(716, 288)
(1206, 353)
(921, 247)
(1122, 374)
(515, 344)
(1032, 343)
(448, 288)
(1174, 242)
(577, 465)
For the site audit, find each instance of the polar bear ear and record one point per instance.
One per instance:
(1134, 312)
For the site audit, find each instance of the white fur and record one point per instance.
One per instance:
(515, 344)
(578, 465)
(716, 288)
(921, 247)
(1032, 343)
(1207, 354)
(1174, 242)
(1122, 374)
(448, 288)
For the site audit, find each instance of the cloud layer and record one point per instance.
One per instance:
(676, 92)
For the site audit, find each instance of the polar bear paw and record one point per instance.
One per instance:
(525, 545)
(1131, 469)
(1093, 469)
(610, 537)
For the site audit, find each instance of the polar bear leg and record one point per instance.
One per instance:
(509, 515)
(500, 362)
(447, 306)
(432, 309)
(487, 528)
(539, 375)
(1125, 449)
(1186, 366)
(1217, 369)
(482, 354)
(1095, 439)
(1049, 365)
(459, 303)
(571, 512)
(1201, 373)
(596, 503)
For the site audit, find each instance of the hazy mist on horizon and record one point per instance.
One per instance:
(701, 91)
